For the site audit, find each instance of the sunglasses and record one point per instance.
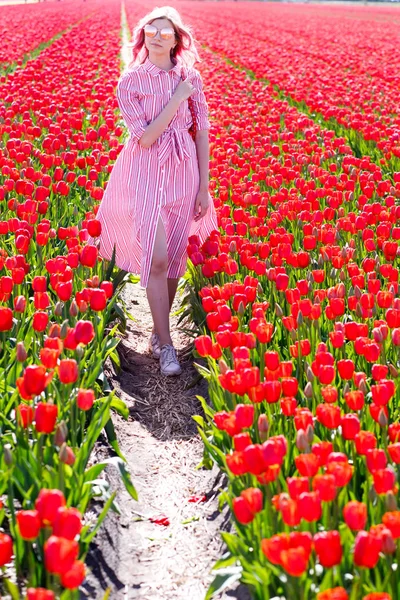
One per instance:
(166, 33)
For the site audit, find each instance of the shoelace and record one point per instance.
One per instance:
(168, 354)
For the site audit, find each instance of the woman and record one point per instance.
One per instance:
(157, 195)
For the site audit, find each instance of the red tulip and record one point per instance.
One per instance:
(60, 554)
(294, 561)
(45, 417)
(25, 415)
(68, 370)
(309, 504)
(337, 593)
(244, 414)
(328, 548)
(325, 485)
(391, 520)
(39, 594)
(384, 480)
(67, 522)
(355, 515)
(98, 300)
(6, 319)
(84, 332)
(366, 550)
(88, 256)
(29, 524)
(47, 504)
(35, 379)
(40, 321)
(85, 399)
(74, 577)
(242, 511)
(6, 549)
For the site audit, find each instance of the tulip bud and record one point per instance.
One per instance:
(310, 433)
(58, 309)
(308, 391)
(64, 329)
(223, 367)
(359, 311)
(73, 309)
(232, 246)
(325, 256)
(342, 275)
(301, 441)
(259, 288)
(83, 306)
(346, 388)
(21, 352)
(293, 335)
(79, 352)
(320, 261)
(96, 281)
(300, 319)
(372, 496)
(388, 543)
(241, 309)
(333, 274)
(61, 434)
(278, 311)
(309, 374)
(8, 457)
(66, 455)
(390, 501)
(393, 371)
(362, 386)
(263, 427)
(382, 418)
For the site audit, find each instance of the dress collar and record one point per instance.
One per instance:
(154, 70)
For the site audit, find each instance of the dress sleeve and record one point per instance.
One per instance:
(130, 108)
(199, 102)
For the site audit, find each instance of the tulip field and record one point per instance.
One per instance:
(295, 300)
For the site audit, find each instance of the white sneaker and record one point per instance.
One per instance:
(154, 345)
(169, 364)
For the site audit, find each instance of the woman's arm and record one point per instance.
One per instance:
(202, 146)
(160, 123)
(203, 158)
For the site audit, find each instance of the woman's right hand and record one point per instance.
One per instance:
(184, 90)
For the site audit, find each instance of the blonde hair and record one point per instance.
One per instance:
(185, 48)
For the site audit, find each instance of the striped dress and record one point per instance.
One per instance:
(160, 181)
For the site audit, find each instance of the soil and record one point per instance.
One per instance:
(132, 556)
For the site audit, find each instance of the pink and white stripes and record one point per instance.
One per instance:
(157, 182)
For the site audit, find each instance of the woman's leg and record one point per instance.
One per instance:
(157, 287)
(172, 287)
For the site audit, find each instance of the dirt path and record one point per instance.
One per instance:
(133, 556)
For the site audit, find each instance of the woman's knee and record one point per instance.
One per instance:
(159, 265)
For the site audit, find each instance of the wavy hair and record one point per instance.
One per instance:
(185, 49)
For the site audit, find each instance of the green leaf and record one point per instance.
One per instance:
(115, 361)
(12, 589)
(126, 478)
(112, 438)
(89, 537)
(226, 578)
(120, 407)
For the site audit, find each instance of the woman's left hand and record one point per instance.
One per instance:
(201, 205)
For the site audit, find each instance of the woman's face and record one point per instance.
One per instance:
(157, 45)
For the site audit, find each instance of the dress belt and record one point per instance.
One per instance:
(173, 144)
